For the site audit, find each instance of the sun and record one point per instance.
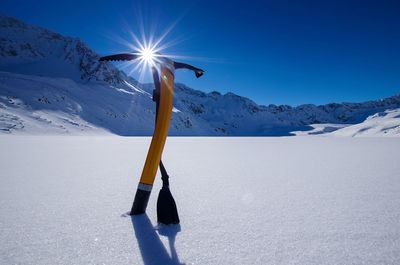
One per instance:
(148, 55)
(150, 50)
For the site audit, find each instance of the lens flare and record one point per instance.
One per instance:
(150, 48)
(148, 55)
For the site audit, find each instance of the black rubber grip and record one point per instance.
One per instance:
(140, 203)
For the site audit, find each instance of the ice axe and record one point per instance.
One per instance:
(163, 93)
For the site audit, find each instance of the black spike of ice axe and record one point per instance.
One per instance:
(163, 77)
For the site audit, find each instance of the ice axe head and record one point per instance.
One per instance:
(162, 60)
(199, 73)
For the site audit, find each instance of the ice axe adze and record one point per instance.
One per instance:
(167, 212)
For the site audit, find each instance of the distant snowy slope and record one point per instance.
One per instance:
(41, 105)
(50, 83)
(385, 123)
(231, 114)
(57, 105)
(321, 128)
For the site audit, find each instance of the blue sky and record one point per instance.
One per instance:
(280, 52)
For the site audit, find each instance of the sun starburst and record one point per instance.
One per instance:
(150, 49)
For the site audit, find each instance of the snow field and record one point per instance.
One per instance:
(285, 200)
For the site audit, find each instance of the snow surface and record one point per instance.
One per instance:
(285, 200)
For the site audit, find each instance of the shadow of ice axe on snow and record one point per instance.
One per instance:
(151, 248)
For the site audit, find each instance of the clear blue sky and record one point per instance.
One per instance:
(278, 51)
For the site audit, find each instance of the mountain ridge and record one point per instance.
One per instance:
(52, 76)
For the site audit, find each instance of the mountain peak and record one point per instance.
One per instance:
(33, 50)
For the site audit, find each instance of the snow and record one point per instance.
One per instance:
(60, 106)
(273, 200)
(381, 124)
(386, 123)
(320, 128)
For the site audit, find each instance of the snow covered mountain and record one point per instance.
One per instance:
(36, 51)
(55, 84)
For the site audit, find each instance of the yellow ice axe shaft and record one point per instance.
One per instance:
(166, 90)
(161, 128)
